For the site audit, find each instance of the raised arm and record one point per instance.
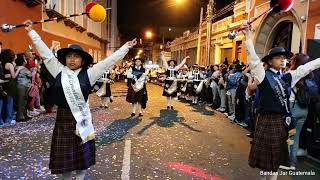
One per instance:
(304, 70)
(164, 61)
(182, 63)
(255, 64)
(50, 61)
(98, 69)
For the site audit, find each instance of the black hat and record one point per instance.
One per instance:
(174, 61)
(238, 67)
(86, 57)
(276, 52)
(142, 60)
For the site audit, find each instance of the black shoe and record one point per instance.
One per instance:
(168, 107)
(27, 117)
(140, 115)
(111, 100)
(171, 107)
(133, 114)
(20, 120)
(106, 107)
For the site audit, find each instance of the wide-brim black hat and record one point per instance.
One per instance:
(276, 52)
(142, 60)
(86, 57)
(174, 61)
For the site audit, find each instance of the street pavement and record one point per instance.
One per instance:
(189, 143)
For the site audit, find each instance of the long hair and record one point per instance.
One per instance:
(298, 60)
(7, 56)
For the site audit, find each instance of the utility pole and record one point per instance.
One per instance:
(210, 10)
(199, 37)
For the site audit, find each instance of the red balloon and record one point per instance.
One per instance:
(281, 5)
(89, 6)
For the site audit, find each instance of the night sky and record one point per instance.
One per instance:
(135, 16)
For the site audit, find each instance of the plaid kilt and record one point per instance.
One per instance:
(167, 84)
(67, 153)
(108, 90)
(269, 148)
(195, 84)
(140, 96)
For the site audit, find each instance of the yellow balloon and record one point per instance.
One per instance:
(97, 13)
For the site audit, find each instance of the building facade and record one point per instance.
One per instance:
(219, 46)
(80, 30)
(112, 27)
(297, 30)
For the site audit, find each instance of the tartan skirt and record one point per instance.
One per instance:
(140, 96)
(269, 148)
(108, 90)
(67, 151)
(167, 84)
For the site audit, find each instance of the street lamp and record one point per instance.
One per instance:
(179, 1)
(149, 35)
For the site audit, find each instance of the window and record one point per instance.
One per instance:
(95, 56)
(317, 32)
(55, 47)
(69, 8)
(91, 52)
(54, 4)
(99, 56)
(79, 9)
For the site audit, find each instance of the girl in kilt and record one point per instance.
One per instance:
(170, 83)
(105, 91)
(137, 90)
(196, 77)
(182, 81)
(269, 148)
(73, 144)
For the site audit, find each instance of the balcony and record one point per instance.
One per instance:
(53, 13)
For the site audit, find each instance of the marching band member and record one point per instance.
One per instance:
(105, 91)
(170, 83)
(273, 124)
(182, 81)
(197, 84)
(73, 144)
(137, 90)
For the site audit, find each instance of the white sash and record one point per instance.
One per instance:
(139, 84)
(172, 88)
(78, 106)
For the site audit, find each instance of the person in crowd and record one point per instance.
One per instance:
(3, 94)
(7, 57)
(23, 85)
(73, 132)
(48, 82)
(231, 87)
(137, 89)
(299, 103)
(222, 89)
